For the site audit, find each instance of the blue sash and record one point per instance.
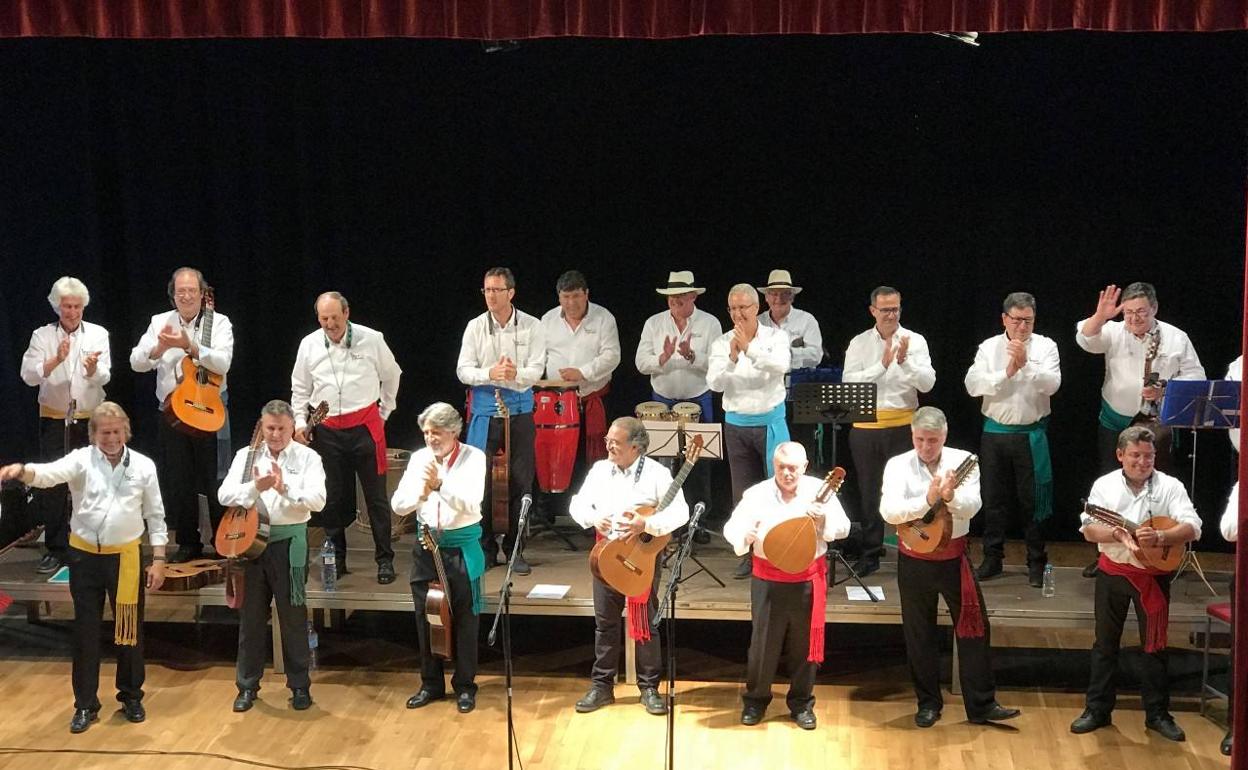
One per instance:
(481, 405)
(777, 430)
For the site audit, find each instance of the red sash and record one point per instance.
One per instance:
(369, 417)
(1152, 599)
(971, 617)
(638, 610)
(817, 575)
(594, 425)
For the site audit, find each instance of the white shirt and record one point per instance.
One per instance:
(1233, 373)
(593, 347)
(1230, 517)
(762, 508)
(903, 493)
(1124, 361)
(678, 378)
(608, 491)
(457, 503)
(303, 475)
(347, 378)
(111, 503)
(754, 384)
(215, 357)
(69, 379)
(1163, 496)
(799, 324)
(1023, 398)
(898, 386)
(522, 340)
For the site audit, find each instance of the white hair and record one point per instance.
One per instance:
(68, 286)
(929, 418)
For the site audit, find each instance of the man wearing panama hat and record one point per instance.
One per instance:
(805, 338)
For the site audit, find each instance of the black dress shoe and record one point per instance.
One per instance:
(1165, 726)
(1225, 748)
(340, 568)
(133, 710)
(1092, 570)
(186, 553)
(48, 564)
(424, 698)
(751, 715)
(522, 567)
(701, 536)
(1090, 720)
(866, 565)
(300, 699)
(465, 702)
(653, 702)
(997, 713)
(244, 700)
(745, 567)
(1035, 574)
(595, 699)
(926, 717)
(989, 568)
(805, 719)
(385, 572)
(83, 719)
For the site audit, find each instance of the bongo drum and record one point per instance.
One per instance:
(687, 411)
(652, 410)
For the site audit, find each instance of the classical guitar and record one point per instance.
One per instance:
(791, 544)
(932, 531)
(195, 405)
(1166, 558)
(193, 575)
(316, 417)
(627, 563)
(244, 532)
(500, 474)
(438, 602)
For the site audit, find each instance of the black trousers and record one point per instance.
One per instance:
(267, 579)
(746, 448)
(920, 583)
(609, 641)
(91, 578)
(1008, 482)
(872, 448)
(780, 617)
(346, 454)
(521, 473)
(188, 467)
(465, 628)
(52, 505)
(1114, 596)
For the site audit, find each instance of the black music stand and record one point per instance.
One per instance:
(835, 404)
(668, 439)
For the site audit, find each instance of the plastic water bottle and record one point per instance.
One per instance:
(313, 642)
(1050, 583)
(329, 566)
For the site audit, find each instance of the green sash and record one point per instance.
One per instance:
(1111, 420)
(297, 534)
(1041, 463)
(468, 541)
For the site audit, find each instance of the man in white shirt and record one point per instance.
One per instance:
(287, 480)
(748, 365)
(803, 331)
(613, 489)
(914, 483)
(350, 368)
(444, 484)
(1016, 373)
(116, 497)
(501, 356)
(69, 361)
(896, 359)
(788, 611)
(188, 457)
(1138, 493)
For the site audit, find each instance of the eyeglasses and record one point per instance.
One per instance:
(1022, 321)
(887, 310)
(741, 308)
(1141, 313)
(610, 442)
(186, 293)
(491, 290)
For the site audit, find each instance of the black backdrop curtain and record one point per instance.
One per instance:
(651, 19)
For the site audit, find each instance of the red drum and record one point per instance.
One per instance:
(557, 419)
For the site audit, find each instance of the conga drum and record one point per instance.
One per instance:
(557, 424)
(686, 411)
(652, 410)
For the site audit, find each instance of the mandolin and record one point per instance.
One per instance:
(316, 417)
(244, 532)
(791, 544)
(1166, 558)
(500, 474)
(438, 602)
(932, 530)
(627, 563)
(195, 405)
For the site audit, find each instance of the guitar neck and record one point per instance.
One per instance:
(1110, 518)
(206, 322)
(677, 482)
(436, 552)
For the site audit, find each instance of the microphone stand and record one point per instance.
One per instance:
(503, 614)
(669, 599)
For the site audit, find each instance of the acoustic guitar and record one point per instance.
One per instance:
(932, 531)
(195, 405)
(1166, 558)
(438, 602)
(500, 474)
(316, 417)
(193, 575)
(791, 544)
(244, 532)
(627, 563)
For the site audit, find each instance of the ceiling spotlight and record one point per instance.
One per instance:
(499, 46)
(970, 38)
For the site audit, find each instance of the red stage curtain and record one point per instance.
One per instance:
(649, 19)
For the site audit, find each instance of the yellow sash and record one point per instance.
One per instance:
(56, 414)
(126, 613)
(888, 418)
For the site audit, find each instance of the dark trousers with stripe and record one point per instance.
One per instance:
(1114, 597)
(465, 626)
(920, 583)
(780, 617)
(347, 454)
(1008, 481)
(52, 505)
(609, 624)
(872, 448)
(188, 468)
(267, 579)
(92, 577)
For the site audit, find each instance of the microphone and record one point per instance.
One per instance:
(525, 502)
(698, 510)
